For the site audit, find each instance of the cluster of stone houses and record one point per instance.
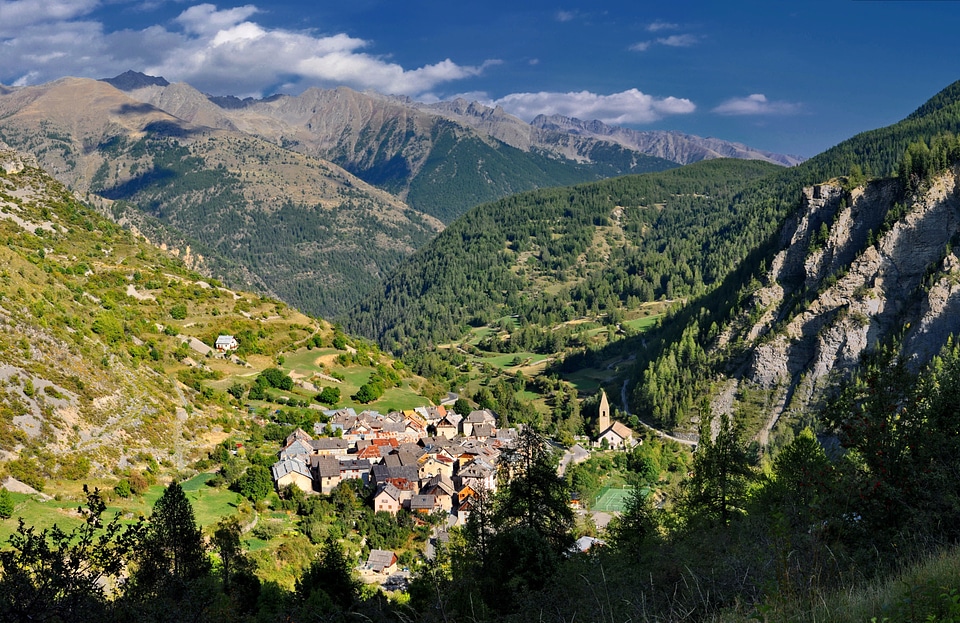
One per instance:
(423, 460)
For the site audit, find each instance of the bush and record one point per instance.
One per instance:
(123, 488)
(267, 530)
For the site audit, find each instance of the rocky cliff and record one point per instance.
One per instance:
(857, 267)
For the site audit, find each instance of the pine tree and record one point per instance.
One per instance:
(722, 469)
(172, 552)
(533, 495)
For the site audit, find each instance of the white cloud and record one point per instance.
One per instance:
(678, 41)
(218, 51)
(756, 104)
(19, 14)
(566, 16)
(631, 106)
(659, 25)
(673, 41)
(205, 19)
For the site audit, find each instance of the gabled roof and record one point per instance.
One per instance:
(411, 448)
(373, 453)
(390, 490)
(439, 484)
(382, 473)
(329, 443)
(284, 467)
(399, 459)
(476, 469)
(355, 465)
(483, 430)
(380, 559)
(297, 447)
(451, 419)
(423, 502)
(325, 466)
(619, 429)
(299, 433)
(481, 416)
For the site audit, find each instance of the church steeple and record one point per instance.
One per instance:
(603, 422)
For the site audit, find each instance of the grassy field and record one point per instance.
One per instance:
(209, 505)
(507, 360)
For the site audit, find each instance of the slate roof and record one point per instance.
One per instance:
(327, 444)
(380, 559)
(289, 466)
(382, 473)
(390, 490)
(325, 466)
(423, 502)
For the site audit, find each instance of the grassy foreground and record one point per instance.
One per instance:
(927, 591)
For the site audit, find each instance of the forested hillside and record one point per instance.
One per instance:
(464, 171)
(684, 361)
(557, 254)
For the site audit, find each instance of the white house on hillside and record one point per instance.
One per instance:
(226, 343)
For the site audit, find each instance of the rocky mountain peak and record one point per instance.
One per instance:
(130, 80)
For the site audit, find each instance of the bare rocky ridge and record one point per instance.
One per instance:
(674, 146)
(354, 128)
(828, 300)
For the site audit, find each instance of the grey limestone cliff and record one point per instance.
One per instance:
(856, 267)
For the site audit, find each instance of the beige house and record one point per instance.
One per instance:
(388, 499)
(292, 471)
(326, 470)
(382, 561)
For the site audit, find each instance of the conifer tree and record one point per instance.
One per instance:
(172, 552)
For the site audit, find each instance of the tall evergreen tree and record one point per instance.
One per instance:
(172, 552)
(722, 469)
(531, 494)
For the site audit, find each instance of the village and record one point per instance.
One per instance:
(426, 461)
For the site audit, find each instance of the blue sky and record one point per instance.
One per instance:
(793, 77)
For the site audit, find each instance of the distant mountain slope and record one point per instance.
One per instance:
(586, 140)
(298, 227)
(556, 254)
(439, 166)
(674, 146)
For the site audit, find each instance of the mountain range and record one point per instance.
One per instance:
(312, 198)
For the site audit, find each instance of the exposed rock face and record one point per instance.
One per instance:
(840, 286)
(673, 146)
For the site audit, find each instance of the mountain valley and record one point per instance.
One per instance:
(439, 300)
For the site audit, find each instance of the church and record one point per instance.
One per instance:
(617, 434)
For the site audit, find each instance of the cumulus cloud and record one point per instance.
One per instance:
(678, 41)
(631, 106)
(219, 51)
(756, 104)
(21, 14)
